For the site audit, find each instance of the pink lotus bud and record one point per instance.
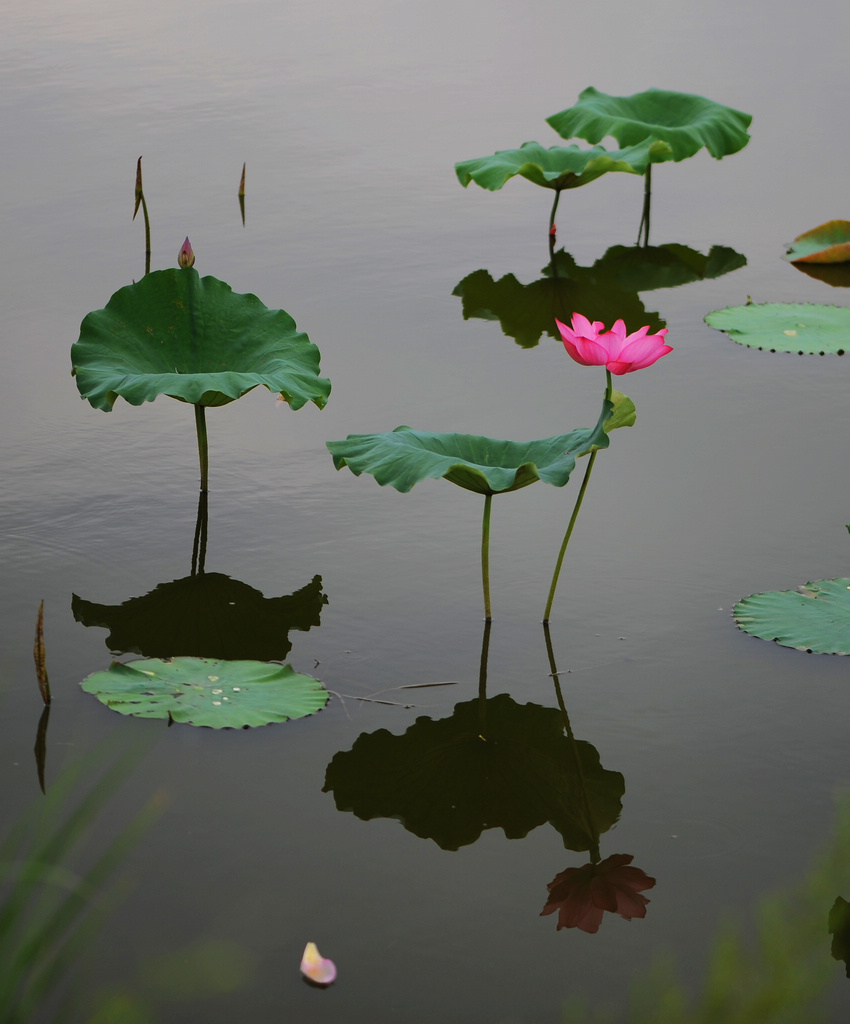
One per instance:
(186, 256)
(315, 968)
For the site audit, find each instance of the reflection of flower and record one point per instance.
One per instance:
(618, 352)
(580, 895)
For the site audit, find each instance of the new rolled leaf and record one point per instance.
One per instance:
(194, 339)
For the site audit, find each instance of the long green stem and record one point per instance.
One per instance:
(203, 446)
(147, 235)
(552, 223)
(482, 682)
(485, 556)
(647, 198)
(590, 463)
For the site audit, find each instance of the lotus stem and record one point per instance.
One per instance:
(576, 508)
(485, 556)
(203, 446)
(147, 235)
(552, 229)
(199, 545)
(590, 824)
(647, 197)
(482, 682)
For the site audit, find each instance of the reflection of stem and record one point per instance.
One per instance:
(40, 748)
(199, 546)
(485, 556)
(482, 682)
(592, 829)
(203, 446)
(591, 460)
(647, 196)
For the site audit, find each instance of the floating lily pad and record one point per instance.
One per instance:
(559, 167)
(827, 243)
(194, 339)
(815, 618)
(684, 121)
(204, 691)
(803, 327)
(404, 456)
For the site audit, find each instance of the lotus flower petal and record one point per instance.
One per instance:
(316, 968)
(620, 353)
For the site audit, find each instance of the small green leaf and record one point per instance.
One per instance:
(404, 456)
(624, 414)
(815, 618)
(827, 243)
(684, 121)
(194, 339)
(202, 691)
(802, 327)
(559, 167)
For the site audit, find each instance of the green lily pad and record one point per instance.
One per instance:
(559, 167)
(827, 243)
(684, 121)
(815, 618)
(194, 339)
(404, 456)
(802, 327)
(204, 691)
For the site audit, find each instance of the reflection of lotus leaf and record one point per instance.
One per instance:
(445, 781)
(815, 618)
(403, 457)
(192, 338)
(684, 121)
(559, 167)
(200, 691)
(803, 327)
(643, 268)
(827, 243)
(207, 615)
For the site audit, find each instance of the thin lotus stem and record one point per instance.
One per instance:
(552, 223)
(199, 545)
(203, 446)
(485, 556)
(647, 197)
(147, 236)
(482, 682)
(587, 810)
(590, 463)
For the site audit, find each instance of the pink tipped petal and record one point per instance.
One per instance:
(643, 351)
(582, 326)
(315, 967)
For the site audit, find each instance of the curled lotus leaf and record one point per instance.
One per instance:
(403, 457)
(684, 121)
(815, 618)
(806, 328)
(827, 243)
(559, 167)
(194, 339)
(202, 691)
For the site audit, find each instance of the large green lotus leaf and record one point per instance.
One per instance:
(815, 618)
(492, 764)
(192, 338)
(802, 327)
(559, 167)
(827, 243)
(204, 691)
(685, 122)
(404, 456)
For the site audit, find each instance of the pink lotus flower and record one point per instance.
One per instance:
(186, 256)
(618, 352)
(582, 895)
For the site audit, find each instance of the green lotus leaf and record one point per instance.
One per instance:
(802, 327)
(209, 692)
(685, 122)
(404, 456)
(443, 780)
(559, 167)
(827, 243)
(194, 339)
(815, 618)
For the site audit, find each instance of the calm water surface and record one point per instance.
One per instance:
(734, 480)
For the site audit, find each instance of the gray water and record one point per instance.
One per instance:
(350, 118)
